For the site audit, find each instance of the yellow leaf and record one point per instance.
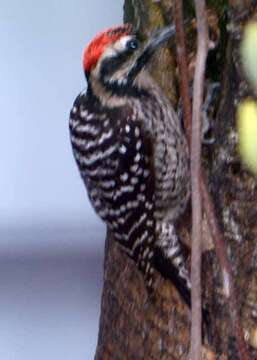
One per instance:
(247, 131)
(249, 52)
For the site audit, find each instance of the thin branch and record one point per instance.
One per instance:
(182, 65)
(216, 233)
(196, 327)
(198, 87)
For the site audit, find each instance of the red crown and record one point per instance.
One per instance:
(97, 46)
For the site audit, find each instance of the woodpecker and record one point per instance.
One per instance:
(132, 153)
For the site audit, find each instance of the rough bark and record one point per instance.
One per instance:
(132, 326)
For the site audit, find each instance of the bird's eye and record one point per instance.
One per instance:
(132, 45)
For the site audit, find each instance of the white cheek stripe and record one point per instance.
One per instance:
(122, 42)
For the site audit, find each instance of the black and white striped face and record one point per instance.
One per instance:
(121, 60)
(117, 59)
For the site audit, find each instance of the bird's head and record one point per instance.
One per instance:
(116, 56)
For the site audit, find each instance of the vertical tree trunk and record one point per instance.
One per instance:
(135, 327)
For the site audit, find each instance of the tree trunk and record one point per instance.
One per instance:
(132, 326)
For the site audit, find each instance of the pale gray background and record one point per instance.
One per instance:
(51, 243)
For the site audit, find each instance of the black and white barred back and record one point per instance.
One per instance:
(133, 159)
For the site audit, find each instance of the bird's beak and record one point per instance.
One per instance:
(157, 39)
